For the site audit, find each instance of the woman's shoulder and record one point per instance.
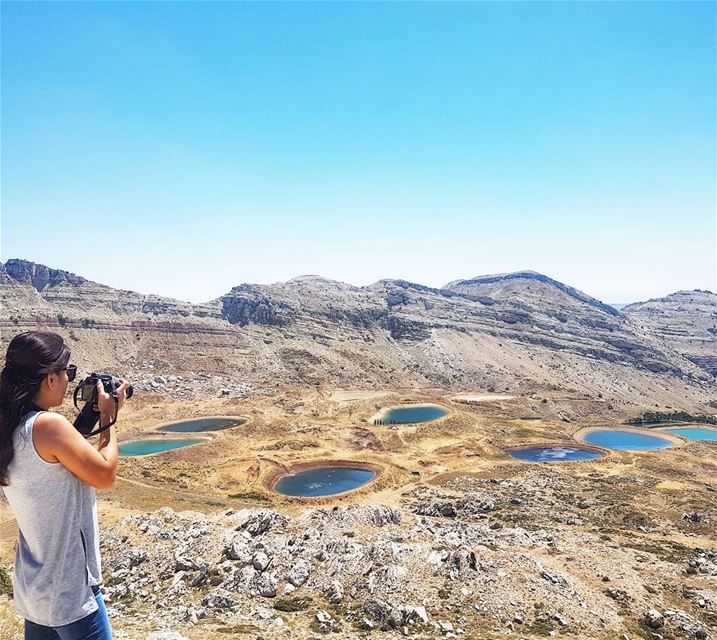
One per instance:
(50, 429)
(47, 413)
(45, 420)
(51, 426)
(51, 419)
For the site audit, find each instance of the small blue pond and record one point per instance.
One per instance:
(203, 424)
(554, 454)
(626, 440)
(323, 481)
(695, 433)
(412, 415)
(145, 447)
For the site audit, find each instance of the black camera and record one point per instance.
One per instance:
(88, 387)
(86, 391)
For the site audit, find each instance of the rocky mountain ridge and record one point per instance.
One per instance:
(515, 332)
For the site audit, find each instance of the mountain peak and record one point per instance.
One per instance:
(313, 277)
(497, 277)
(38, 275)
(483, 284)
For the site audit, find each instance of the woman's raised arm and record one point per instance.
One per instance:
(56, 440)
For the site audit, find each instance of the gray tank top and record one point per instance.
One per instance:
(57, 558)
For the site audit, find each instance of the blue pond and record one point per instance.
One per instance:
(695, 433)
(203, 424)
(554, 454)
(413, 415)
(145, 447)
(323, 481)
(626, 440)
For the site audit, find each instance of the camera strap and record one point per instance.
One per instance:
(87, 419)
(107, 426)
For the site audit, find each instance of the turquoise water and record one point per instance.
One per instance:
(203, 424)
(554, 454)
(323, 481)
(145, 447)
(626, 440)
(695, 433)
(413, 415)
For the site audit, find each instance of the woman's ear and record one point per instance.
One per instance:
(50, 380)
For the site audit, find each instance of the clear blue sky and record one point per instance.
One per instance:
(185, 148)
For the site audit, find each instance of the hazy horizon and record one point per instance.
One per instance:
(184, 148)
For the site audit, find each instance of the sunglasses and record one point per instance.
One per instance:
(71, 371)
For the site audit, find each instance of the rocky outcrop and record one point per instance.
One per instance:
(245, 304)
(38, 294)
(307, 300)
(405, 329)
(685, 322)
(39, 276)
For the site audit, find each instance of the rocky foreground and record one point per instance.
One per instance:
(525, 557)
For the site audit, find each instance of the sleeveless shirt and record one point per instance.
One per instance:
(57, 558)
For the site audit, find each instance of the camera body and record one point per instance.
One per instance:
(88, 387)
(86, 391)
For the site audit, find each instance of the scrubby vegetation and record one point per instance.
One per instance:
(5, 582)
(658, 417)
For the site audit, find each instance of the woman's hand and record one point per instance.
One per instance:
(105, 401)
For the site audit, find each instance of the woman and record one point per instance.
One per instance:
(49, 474)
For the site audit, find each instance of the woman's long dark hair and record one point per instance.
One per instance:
(30, 357)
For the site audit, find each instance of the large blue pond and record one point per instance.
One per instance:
(323, 481)
(695, 433)
(626, 440)
(203, 424)
(554, 454)
(413, 415)
(145, 447)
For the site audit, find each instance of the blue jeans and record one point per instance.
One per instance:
(95, 626)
